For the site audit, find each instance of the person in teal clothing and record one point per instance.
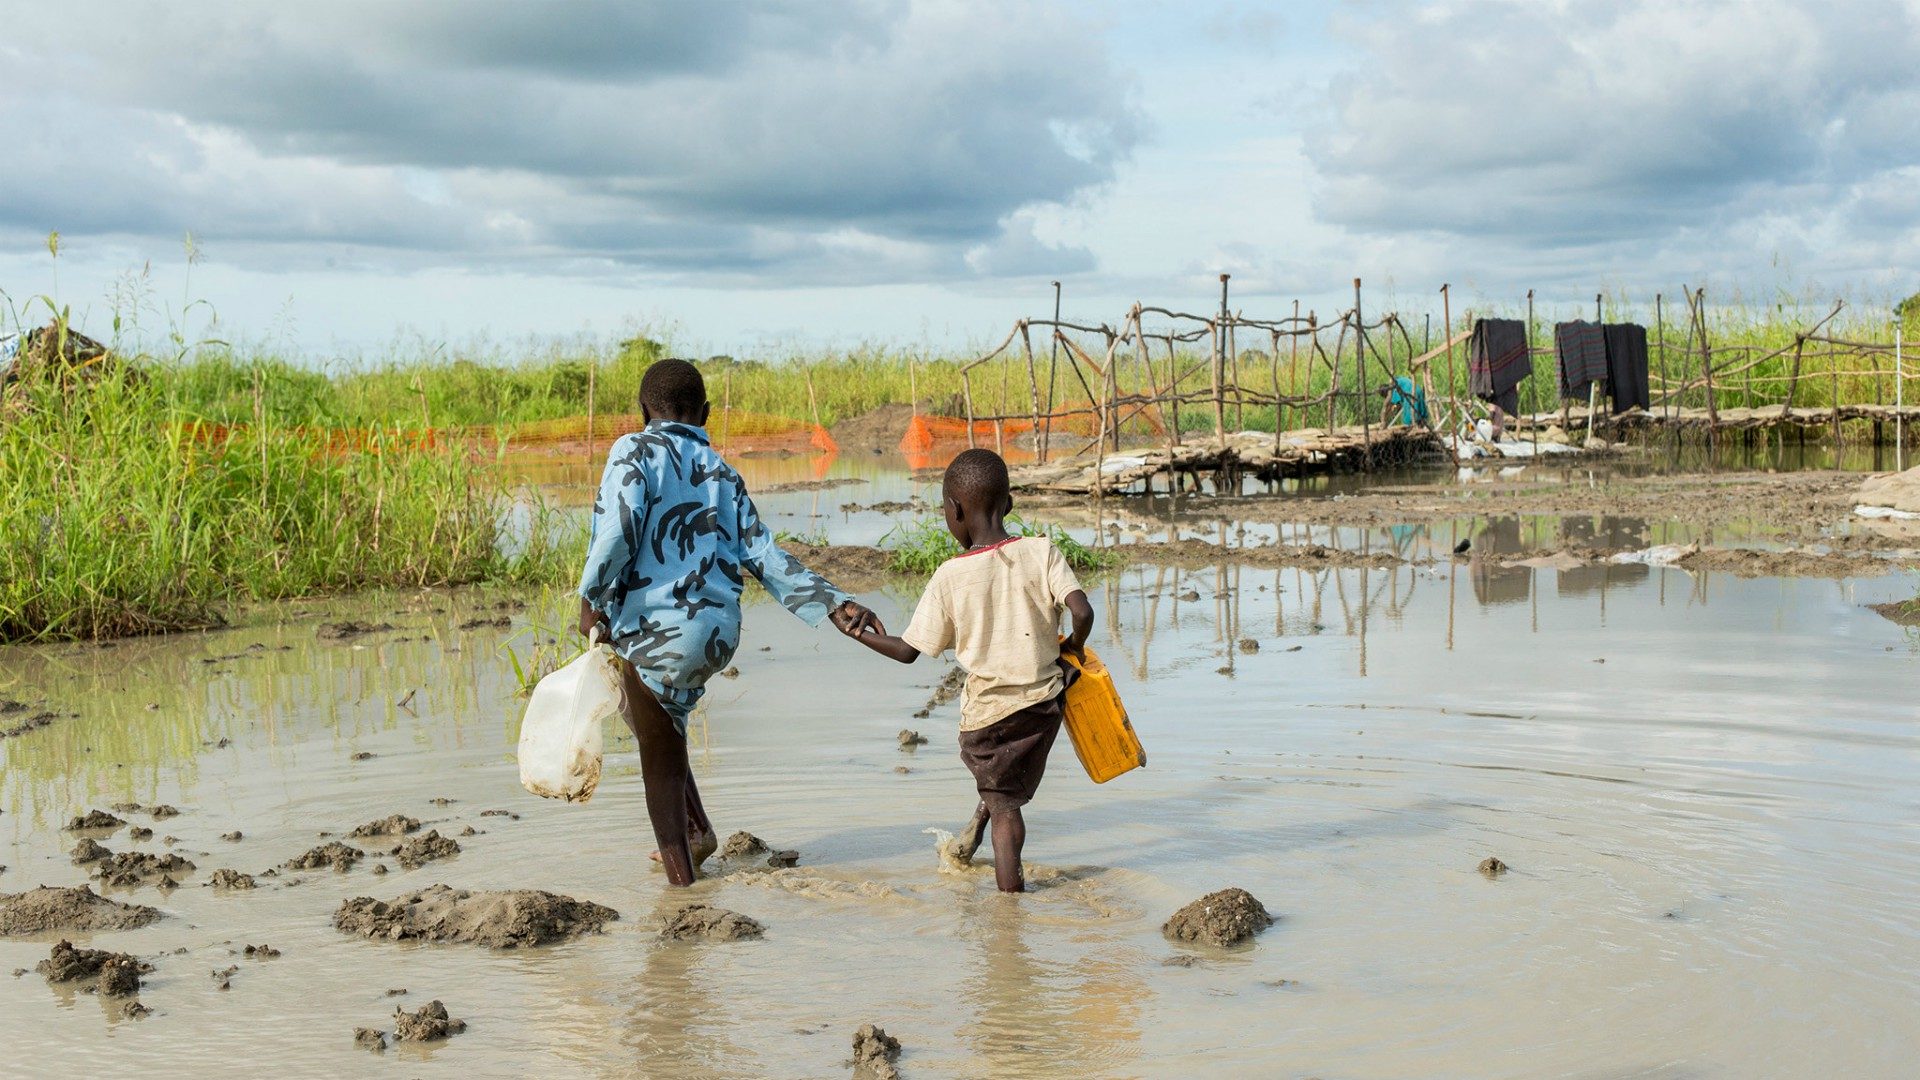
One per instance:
(674, 537)
(1406, 396)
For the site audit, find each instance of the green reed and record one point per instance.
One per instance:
(119, 516)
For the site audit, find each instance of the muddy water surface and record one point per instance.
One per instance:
(1703, 786)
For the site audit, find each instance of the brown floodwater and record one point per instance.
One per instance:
(1704, 787)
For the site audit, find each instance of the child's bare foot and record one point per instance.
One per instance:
(967, 840)
(701, 844)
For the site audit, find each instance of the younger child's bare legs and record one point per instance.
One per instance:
(974, 831)
(1009, 836)
(667, 775)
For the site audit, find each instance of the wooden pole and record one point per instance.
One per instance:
(1360, 388)
(966, 388)
(1446, 334)
(1219, 368)
(1660, 340)
(593, 366)
(726, 404)
(1033, 386)
(1053, 368)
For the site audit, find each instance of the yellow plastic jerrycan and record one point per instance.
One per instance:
(1096, 721)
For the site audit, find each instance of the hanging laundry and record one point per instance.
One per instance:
(1582, 347)
(1497, 361)
(1627, 366)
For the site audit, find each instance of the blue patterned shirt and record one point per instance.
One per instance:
(674, 534)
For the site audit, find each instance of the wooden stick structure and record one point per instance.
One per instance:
(1138, 423)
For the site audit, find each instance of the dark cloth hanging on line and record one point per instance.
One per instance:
(1627, 366)
(1497, 361)
(1582, 347)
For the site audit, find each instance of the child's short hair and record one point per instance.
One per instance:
(977, 474)
(672, 387)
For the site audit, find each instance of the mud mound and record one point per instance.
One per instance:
(948, 688)
(1492, 867)
(94, 819)
(1748, 562)
(79, 910)
(1223, 918)
(812, 485)
(332, 853)
(874, 1052)
(422, 850)
(156, 812)
(849, 566)
(508, 919)
(395, 825)
(706, 923)
(232, 880)
(1897, 491)
(348, 629)
(1194, 554)
(132, 868)
(1901, 612)
(743, 845)
(89, 851)
(880, 429)
(909, 738)
(429, 1023)
(117, 974)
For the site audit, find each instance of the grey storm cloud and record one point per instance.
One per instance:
(1598, 122)
(844, 139)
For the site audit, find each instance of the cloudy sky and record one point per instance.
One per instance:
(755, 176)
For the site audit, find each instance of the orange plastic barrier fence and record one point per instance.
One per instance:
(728, 428)
(925, 431)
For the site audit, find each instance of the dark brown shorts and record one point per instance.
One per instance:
(1009, 756)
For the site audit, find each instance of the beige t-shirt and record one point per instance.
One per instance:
(998, 609)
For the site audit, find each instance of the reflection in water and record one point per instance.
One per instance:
(1025, 1015)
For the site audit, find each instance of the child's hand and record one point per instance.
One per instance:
(854, 619)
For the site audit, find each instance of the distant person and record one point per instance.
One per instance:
(1404, 396)
(674, 535)
(997, 606)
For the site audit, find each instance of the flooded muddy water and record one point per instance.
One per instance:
(1703, 788)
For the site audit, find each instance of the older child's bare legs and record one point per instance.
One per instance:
(1009, 836)
(667, 775)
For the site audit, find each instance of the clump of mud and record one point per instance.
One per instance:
(1492, 867)
(508, 919)
(332, 853)
(372, 1039)
(394, 825)
(348, 629)
(94, 819)
(422, 850)
(910, 738)
(707, 923)
(133, 868)
(89, 851)
(429, 1023)
(156, 812)
(743, 845)
(1223, 918)
(945, 690)
(114, 974)
(874, 1054)
(77, 910)
(232, 880)
(233, 837)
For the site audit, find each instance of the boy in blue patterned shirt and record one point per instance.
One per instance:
(674, 536)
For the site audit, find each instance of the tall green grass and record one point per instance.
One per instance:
(117, 517)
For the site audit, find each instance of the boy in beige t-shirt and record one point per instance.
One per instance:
(997, 606)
